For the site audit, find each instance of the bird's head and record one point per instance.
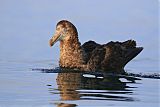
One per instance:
(64, 32)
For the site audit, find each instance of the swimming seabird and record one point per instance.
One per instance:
(91, 56)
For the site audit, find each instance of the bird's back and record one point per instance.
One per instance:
(112, 56)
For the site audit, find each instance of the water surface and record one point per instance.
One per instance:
(21, 86)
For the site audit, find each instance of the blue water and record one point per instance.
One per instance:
(23, 87)
(26, 27)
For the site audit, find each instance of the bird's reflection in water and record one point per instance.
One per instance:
(68, 84)
(78, 86)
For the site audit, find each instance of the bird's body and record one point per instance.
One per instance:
(92, 56)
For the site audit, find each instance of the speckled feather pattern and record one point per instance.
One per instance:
(92, 56)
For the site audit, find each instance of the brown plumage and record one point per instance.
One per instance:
(91, 56)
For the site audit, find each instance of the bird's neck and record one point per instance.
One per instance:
(71, 55)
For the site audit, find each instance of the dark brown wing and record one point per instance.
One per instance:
(118, 54)
(112, 56)
(88, 47)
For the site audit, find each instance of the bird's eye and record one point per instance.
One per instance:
(58, 28)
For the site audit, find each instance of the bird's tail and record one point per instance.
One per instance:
(131, 53)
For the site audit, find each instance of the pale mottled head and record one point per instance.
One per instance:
(65, 30)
